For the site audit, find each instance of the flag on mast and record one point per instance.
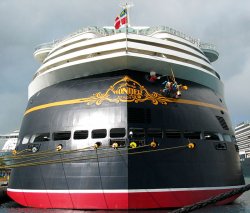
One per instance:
(122, 19)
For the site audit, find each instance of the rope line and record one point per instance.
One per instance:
(213, 200)
(107, 154)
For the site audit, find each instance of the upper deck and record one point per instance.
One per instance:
(42, 50)
(95, 50)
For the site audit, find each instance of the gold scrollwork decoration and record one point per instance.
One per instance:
(126, 90)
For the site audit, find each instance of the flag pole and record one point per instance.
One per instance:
(126, 8)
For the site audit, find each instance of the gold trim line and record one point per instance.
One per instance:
(125, 90)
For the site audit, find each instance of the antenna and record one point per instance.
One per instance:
(127, 6)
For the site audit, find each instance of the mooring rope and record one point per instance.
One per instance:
(107, 154)
(213, 200)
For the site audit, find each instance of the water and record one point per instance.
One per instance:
(241, 205)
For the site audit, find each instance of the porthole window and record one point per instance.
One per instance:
(99, 133)
(117, 133)
(81, 134)
(58, 136)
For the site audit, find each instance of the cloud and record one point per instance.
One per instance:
(27, 23)
(237, 97)
(14, 106)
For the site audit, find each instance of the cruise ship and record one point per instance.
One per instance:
(8, 141)
(7, 145)
(103, 130)
(242, 134)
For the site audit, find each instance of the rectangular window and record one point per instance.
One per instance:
(213, 136)
(192, 135)
(173, 134)
(154, 133)
(227, 138)
(81, 134)
(117, 133)
(42, 137)
(136, 133)
(57, 136)
(99, 133)
(26, 139)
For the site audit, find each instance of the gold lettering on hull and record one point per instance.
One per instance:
(122, 91)
(126, 90)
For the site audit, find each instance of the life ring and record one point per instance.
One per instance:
(115, 145)
(34, 149)
(191, 145)
(59, 147)
(153, 144)
(97, 145)
(133, 145)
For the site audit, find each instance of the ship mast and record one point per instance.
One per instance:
(126, 6)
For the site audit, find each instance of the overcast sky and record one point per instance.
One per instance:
(25, 24)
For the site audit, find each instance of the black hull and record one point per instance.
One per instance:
(169, 175)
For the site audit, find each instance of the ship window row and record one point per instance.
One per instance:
(240, 139)
(244, 145)
(172, 47)
(78, 135)
(241, 127)
(78, 48)
(77, 58)
(247, 137)
(179, 42)
(135, 133)
(63, 46)
(6, 137)
(243, 132)
(132, 50)
(246, 126)
(132, 40)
